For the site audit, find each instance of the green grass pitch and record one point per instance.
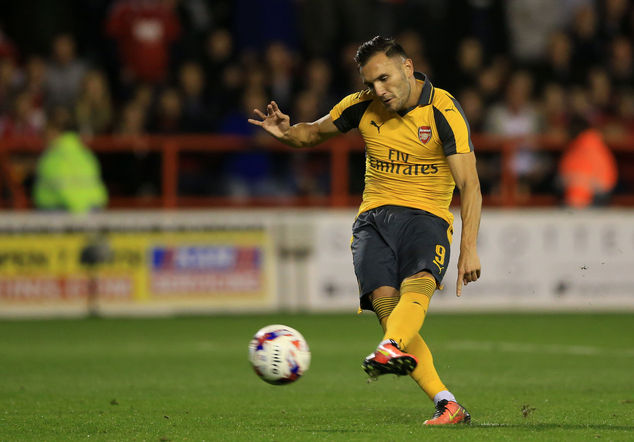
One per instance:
(522, 376)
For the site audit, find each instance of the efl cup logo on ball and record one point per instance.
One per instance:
(279, 354)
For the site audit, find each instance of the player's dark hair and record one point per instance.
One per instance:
(378, 44)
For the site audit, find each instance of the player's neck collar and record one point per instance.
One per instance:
(426, 95)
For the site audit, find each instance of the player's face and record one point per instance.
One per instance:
(388, 78)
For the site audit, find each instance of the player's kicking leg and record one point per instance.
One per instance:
(406, 312)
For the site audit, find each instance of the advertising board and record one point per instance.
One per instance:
(170, 270)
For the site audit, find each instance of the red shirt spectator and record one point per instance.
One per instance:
(144, 30)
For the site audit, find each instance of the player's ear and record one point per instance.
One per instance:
(408, 65)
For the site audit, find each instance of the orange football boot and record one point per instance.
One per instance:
(449, 412)
(389, 359)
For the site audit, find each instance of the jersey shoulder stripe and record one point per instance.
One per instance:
(451, 123)
(445, 133)
(348, 112)
(464, 117)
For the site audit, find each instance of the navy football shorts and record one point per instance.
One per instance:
(391, 243)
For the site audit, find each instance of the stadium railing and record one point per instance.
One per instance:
(14, 194)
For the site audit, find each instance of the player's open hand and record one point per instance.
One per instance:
(274, 121)
(468, 270)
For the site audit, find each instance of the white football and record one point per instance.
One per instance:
(279, 354)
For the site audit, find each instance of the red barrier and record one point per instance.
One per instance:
(340, 150)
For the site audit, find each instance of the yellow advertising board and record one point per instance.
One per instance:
(223, 268)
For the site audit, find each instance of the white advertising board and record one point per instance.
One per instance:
(333, 285)
(531, 260)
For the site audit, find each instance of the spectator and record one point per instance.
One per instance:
(256, 77)
(414, 46)
(319, 19)
(234, 85)
(350, 80)
(473, 108)
(168, 116)
(579, 104)
(553, 112)
(235, 122)
(308, 173)
(280, 62)
(621, 124)
(488, 164)
(588, 51)
(530, 22)
(252, 172)
(196, 114)
(318, 81)
(195, 19)
(491, 80)
(93, 111)
(132, 122)
(517, 117)
(557, 64)
(614, 18)
(144, 96)
(621, 62)
(35, 80)
(64, 73)
(68, 174)
(225, 75)
(625, 111)
(306, 106)
(9, 84)
(483, 20)
(599, 91)
(144, 32)
(218, 54)
(587, 169)
(25, 119)
(470, 63)
(135, 174)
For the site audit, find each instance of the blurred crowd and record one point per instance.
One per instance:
(519, 68)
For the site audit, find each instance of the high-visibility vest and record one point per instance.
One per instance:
(587, 168)
(69, 177)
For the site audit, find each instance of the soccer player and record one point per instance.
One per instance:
(418, 149)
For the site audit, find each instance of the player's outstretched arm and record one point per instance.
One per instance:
(463, 168)
(278, 125)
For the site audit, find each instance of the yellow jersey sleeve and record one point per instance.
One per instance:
(348, 112)
(451, 124)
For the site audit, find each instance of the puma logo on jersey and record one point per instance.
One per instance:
(378, 127)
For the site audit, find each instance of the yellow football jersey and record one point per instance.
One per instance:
(406, 152)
